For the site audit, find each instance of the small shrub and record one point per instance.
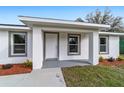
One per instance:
(101, 59)
(0, 67)
(119, 58)
(7, 66)
(111, 59)
(28, 63)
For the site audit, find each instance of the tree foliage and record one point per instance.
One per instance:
(105, 17)
(79, 20)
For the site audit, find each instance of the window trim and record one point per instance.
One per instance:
(79, 45)
(11, 52)
(107, 44)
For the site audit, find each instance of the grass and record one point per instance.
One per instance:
(94, 76)
(121, 66)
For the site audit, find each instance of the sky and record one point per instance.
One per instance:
(9, 14)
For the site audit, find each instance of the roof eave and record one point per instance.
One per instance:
(38, 21)
(111, 33)
(13, 27)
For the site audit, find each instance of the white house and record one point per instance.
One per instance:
(42, 39)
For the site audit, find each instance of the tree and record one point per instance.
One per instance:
(79, 20)
(105, 17)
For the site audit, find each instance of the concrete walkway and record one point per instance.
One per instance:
(50, 77)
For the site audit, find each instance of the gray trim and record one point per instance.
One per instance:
(107, 44)
(79, 44)
(44, 47)
(9, 49)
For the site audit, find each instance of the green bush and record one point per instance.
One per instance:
(101, 59)
(7, 66)
(28, 63)
(120, 58)
(111, 59)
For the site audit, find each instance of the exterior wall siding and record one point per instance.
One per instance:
(4, 49)
(113, 47)
(84, 47)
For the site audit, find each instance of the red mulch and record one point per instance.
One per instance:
(115, 63)
(16, 69)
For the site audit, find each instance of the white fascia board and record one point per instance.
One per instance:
(111, 33)
(62, 22)
(55, 29)
(14, 27)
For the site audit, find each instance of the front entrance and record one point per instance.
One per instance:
(51, 46)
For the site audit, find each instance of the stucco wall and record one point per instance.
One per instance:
(93, 48)
(37, 49)
(4, 49)
(113, 47)
(63, 55)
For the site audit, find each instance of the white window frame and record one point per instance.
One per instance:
(107, 44)
(74, 53)
(12, 44)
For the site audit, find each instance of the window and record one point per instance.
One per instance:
(104, 44)
(73, 44)
(18, 44)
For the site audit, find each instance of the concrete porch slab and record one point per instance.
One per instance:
(55, 64)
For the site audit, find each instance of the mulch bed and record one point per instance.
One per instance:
(115, 63)
(16, 69)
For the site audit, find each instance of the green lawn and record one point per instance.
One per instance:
(94, 76)
(121, 66)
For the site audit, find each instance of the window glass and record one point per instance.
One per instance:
(102, 48)
(73, 44)
(103, 44)
(18, 44)
(19, 38)
(73, 48)
(19, 48)
(102, 40)
(73, 40)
